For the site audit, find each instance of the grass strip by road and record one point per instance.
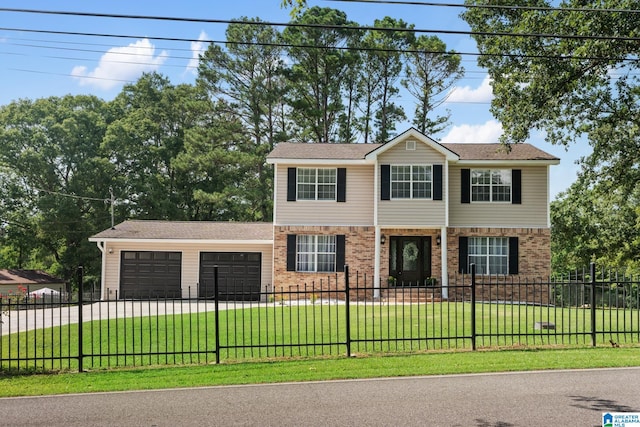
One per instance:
(317, 370)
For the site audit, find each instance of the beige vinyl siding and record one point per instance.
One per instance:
(190, 261)
(533, 212)
(412, 212)
(357, 210)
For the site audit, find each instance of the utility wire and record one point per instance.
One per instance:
(359, 48)
(71, 195)
(490, 6)
(319, 26)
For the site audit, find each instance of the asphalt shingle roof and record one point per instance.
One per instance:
(498, 152)
(466, 151)
(298, 150)
(27, 277)
(189, 230)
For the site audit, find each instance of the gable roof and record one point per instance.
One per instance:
(27, 277)
(413, 134)
(188, 230)
(366, 153)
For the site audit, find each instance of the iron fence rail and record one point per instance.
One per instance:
(342, 315)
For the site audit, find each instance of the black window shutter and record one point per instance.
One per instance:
(291, 252)
(465, 189)
(513, 255)
(516, 186)
(342, 185)
(385, 182)
(340, 252)
(463, 251)
(437, 182)
(291, 185)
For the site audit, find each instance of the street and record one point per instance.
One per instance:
(544, 398)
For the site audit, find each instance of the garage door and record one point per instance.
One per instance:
(238, 275)
(147, 274)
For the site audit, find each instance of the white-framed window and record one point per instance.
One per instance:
(316, 183)
(316, 253)
(411, 182)
(489, 254)
(491, 185)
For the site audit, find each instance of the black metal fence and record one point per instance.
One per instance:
(342, 315)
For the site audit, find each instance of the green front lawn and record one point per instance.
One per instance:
(277, 331)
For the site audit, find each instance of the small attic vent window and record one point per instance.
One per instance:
(411, 145)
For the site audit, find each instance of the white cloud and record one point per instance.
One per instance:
(121, 64)
(487, 132)
(197, 49)
(484, 93)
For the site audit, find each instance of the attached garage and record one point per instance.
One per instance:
(238, 275)
(150, 274)
(175, 259)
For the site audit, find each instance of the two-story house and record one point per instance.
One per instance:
(410, 212)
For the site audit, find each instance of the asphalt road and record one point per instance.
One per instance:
(549, 398)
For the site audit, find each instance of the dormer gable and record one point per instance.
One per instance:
(409, 140)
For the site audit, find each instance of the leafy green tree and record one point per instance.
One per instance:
(573, 73)
(431, 73)
(215, 156)
(597, 223)
(55, 181)
(151, 118)
(297, 6)
(317, 72)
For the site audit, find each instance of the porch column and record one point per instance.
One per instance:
(376, 267)
(445, 270)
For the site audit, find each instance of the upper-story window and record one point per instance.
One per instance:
(316, 184)
(491, 185)
(411, 182)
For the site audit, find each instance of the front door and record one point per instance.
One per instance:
(410, 260)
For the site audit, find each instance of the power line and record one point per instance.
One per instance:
(49, 73)
(358, 48)
(490, 6)
(318, 26)
(71, 195)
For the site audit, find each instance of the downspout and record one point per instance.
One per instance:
(102, 246)
(376, 267)
(273, 230)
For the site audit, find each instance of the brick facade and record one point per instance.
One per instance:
(359, 254)
(534, 260)
(534, 254)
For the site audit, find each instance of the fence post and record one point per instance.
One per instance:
(80, 320)
(347, 308)
(472, 267)
(216, 314)
(592, 272)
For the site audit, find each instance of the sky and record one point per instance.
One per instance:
(37, 64)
